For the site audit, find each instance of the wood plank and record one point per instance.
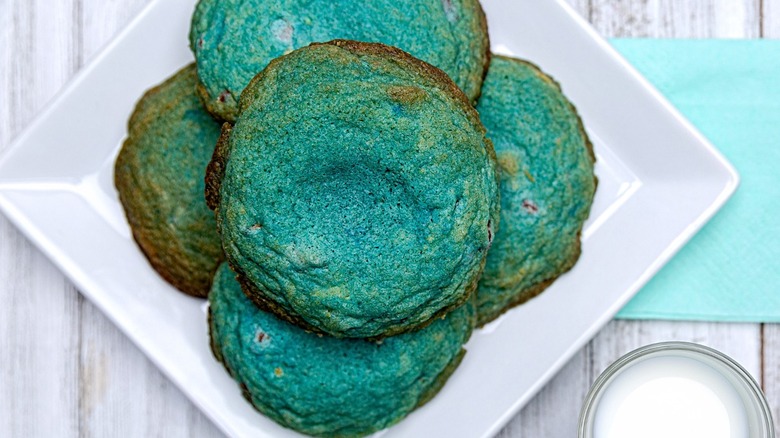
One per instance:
(555, 410)
(38, 56)
(740, 341)
(39, 318)
(582, 7)
(677, 19)
(101, 20)
(771, 19)
(770, 368)
(39, 323)
(124, 394)
(8, 31)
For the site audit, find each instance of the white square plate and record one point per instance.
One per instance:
(659, 182)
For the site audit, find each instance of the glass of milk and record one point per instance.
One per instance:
(675, 390)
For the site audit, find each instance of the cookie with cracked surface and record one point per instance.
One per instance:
(324, 386)
(356, 194)
(547, 183)
(235, 39)
(159, 175)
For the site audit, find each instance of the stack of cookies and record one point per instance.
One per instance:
(370, 209)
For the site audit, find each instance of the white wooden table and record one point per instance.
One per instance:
(66, 371)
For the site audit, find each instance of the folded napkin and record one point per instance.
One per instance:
(729, 89)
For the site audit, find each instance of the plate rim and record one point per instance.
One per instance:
(56, 255)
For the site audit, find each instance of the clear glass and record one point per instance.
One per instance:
(757, 410)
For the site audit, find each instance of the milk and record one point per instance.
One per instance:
(670, 397)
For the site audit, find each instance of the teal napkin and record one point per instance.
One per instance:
(729, 89)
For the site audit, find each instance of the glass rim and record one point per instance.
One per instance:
(585, 426)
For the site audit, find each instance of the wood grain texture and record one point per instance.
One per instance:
(39, 318)
(39, 338)
(67, 371)
(770, 368)
(620, 337)
(38, 58)
(770, 26)
(677, 19)
(582, 7)
(123, 393)
(554, 411)
(101, 20)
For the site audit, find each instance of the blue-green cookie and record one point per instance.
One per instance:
(547, 183)
(359, 195)
(235, 39)
(325, 386)
(159, 175)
